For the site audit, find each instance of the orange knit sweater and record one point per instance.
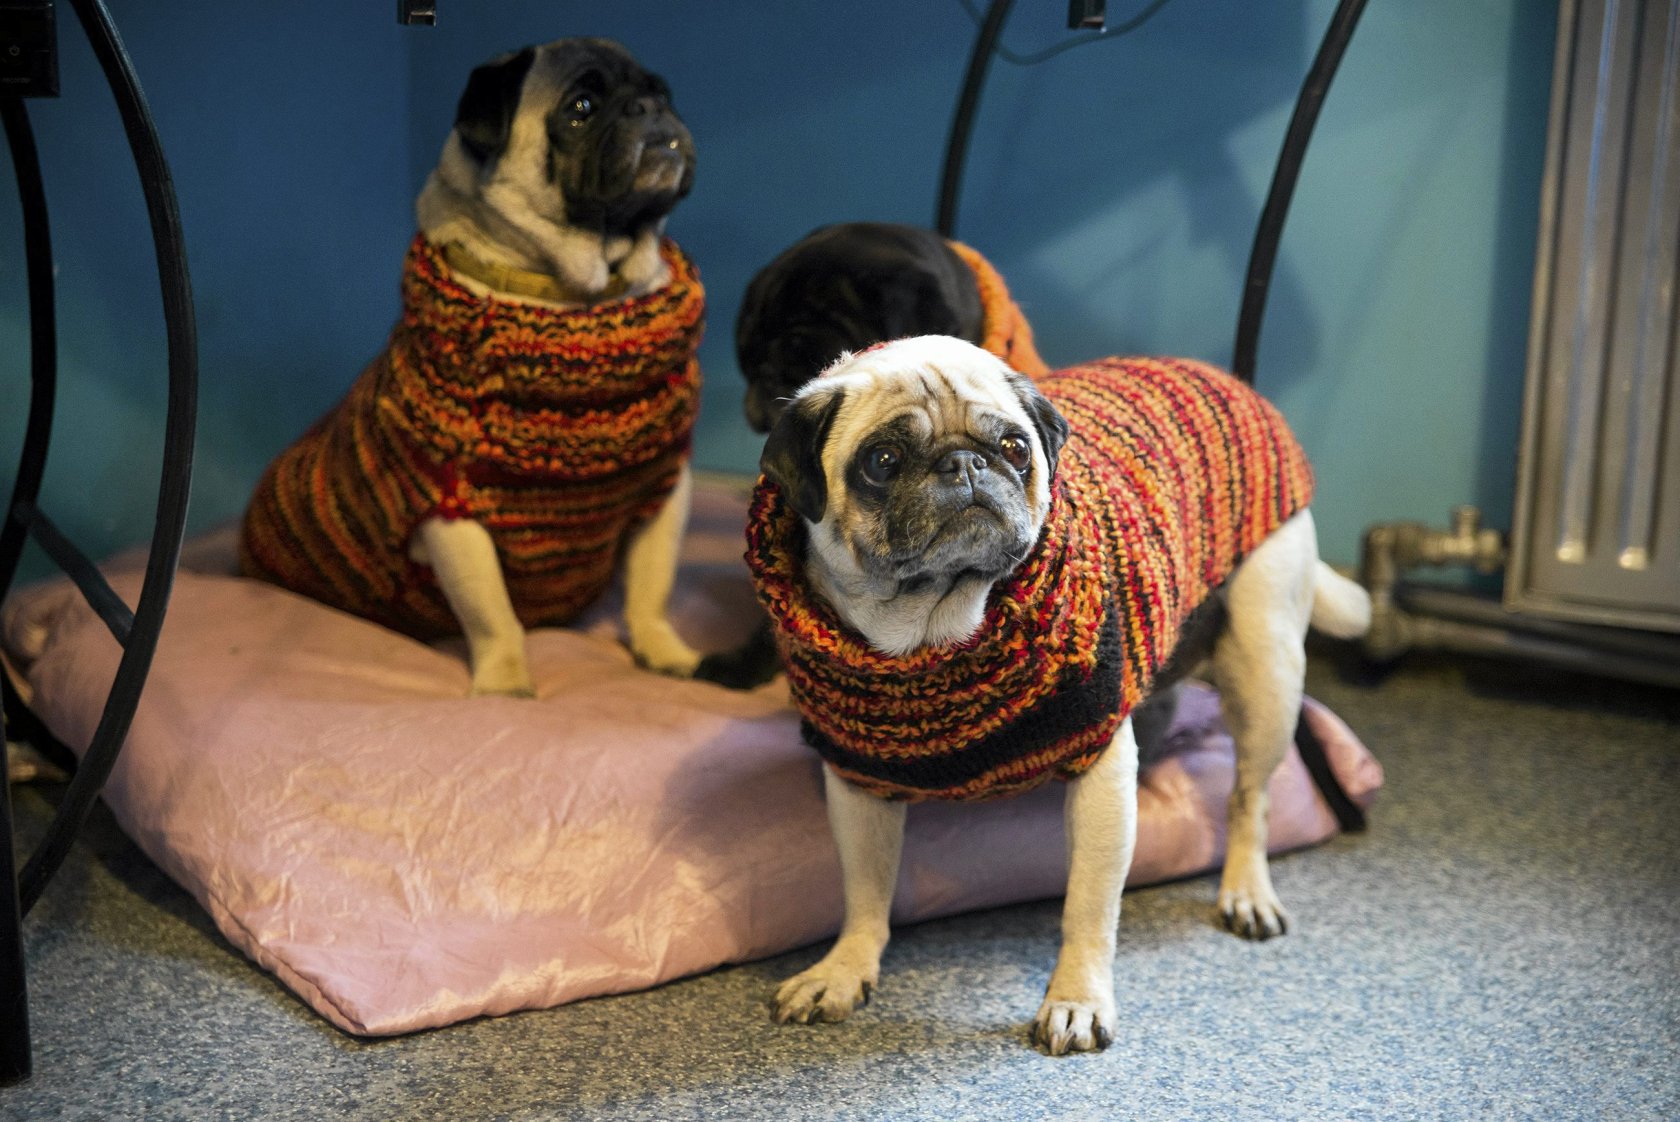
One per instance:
(557, 429)
(1005, 331)
(1172, 473)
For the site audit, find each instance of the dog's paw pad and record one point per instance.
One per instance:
(1062, 1027)
(820, 994)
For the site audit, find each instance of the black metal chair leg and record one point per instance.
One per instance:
(14, 993)
(137, 634)
(182, 340)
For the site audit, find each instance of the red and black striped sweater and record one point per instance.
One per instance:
(1172, 473)
(559, 429)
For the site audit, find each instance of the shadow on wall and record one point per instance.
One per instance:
(1521, 160)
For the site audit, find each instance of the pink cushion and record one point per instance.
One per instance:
(403, 856)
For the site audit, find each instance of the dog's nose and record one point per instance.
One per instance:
(962, 464)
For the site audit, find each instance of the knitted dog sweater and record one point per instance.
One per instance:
(1173, 472)
(557, 429)
(1005, 331)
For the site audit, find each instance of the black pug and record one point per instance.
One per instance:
(841, 288)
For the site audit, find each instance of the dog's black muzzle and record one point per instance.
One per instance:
(966, 519)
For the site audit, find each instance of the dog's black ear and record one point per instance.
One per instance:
(1047, 419)
(792, 456)
(484, 115)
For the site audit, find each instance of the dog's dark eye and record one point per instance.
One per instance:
(1017, 450)
(880, 463)
(582, 107)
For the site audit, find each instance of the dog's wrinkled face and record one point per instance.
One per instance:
(919, 462)
(582, 122)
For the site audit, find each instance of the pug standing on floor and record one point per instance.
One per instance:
(491, 468)
(976, 578)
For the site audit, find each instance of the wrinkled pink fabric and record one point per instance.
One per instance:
(403, 856)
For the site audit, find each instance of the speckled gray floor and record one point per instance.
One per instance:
(1503, 943)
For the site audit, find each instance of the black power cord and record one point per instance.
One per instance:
(1050, 52)
(986, 45)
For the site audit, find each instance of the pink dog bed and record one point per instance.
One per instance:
(403, 856)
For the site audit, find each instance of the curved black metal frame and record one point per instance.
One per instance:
(137, 633)
(1269, 231)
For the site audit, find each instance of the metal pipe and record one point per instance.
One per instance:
(1407, 616)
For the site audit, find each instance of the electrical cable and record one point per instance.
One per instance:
(986, 45)
(1052, 51)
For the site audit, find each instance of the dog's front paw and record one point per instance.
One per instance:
(1250, 907)
(1078, 1010)
(657, 647)
(828, 991)
(1247, 899)
(1073, 1026)
(645, 269)
(502, 676)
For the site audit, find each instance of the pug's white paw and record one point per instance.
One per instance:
(828, 991)
(1247, 902)
(657, 646)
(1078, 1010)
(1251, 914)
(502, 674)
(1062, 1027)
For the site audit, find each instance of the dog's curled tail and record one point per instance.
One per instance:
(1340, 607)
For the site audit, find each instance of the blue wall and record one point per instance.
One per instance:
(1116, 186)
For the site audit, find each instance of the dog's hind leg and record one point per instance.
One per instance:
(1077, 1014)
(463, 559)
(1258, 664)
(650, 569)
(869, 833)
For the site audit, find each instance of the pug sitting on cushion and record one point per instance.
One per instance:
(527, 428)
(975, 578)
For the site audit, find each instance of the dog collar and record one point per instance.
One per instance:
(507, 280)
